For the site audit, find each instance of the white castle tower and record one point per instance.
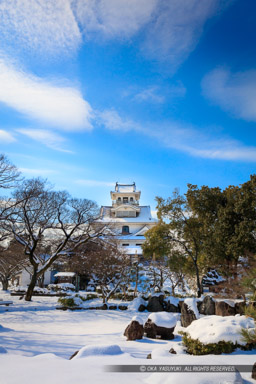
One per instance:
(129, 220)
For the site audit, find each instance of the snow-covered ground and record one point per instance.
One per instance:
(40, 339)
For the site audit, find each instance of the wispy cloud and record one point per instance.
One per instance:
(113, 18)
(150, 94)
(95, 183)
(177, 27)
(39, 26)
(169, 29)
(233, 92)
(183, 138)
(57, 105)
(37, 172)
(50, 139)
(6, 137)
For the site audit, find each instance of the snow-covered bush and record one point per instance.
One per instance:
(62, 287)
(72, 301)
(216, 334)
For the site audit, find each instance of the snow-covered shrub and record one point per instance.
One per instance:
(216, 334)
(62, 287)
(72, 301)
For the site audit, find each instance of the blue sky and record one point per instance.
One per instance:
(160, 92)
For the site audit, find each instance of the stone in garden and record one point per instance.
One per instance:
(172, 304)
(142, 308)
(207, 306)
(134, 331)
(122, 307)
(172, 351)
(189, 312)
(224, 308)
(160, 324)
(156, 304)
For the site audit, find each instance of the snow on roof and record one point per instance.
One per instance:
(143, 217)
(65, 274)
(125, 187)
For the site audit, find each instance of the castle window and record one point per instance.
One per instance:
(125, 229)
(131, 198)
(125, 200)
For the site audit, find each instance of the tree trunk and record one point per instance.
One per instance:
(31, 286)
(198, 283)
(4, 282)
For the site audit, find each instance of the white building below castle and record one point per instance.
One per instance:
(127, 218)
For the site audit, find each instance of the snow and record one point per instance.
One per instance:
(39, 341)
(138, 319)
(98, 350)
(212, 329)
(65, 274)
(191, 303)
(172, 300)
(163, 319)
(134, 305)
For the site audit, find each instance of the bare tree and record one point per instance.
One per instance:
(12, 261)
(103, 262)
(50, 222)
(9, 178)
(9, 174)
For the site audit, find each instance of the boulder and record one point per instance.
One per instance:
(122, 307)
(152, 331)
(134, 330)
(187, 315)
(156, 304)
(171, 307)
(112, 307)
(142, 308)
(173, 351)
(224, 309)
(207, 306)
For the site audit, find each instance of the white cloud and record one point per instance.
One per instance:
(169, 29)
(57, 105)
(177, 27)
(113, 18)
(113, 121)
(149, 94)
(95, 183)
(183, 138)
(39, 26)
(6, 137)
(233, 92)
(36, 172)
(50, 139)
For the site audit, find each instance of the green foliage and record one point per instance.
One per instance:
(195, 347)
(249, 336)
(250, 311)
(67, 302)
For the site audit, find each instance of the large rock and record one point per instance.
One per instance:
(161, 325)
(207, 306)
(187, 315)
(134, 330)
(156, 304)
(224, 309)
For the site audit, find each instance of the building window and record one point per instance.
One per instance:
(125, 229)
(138, 245)
(125, 200)
(119, 199)
(125, 245)
(131, 198)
